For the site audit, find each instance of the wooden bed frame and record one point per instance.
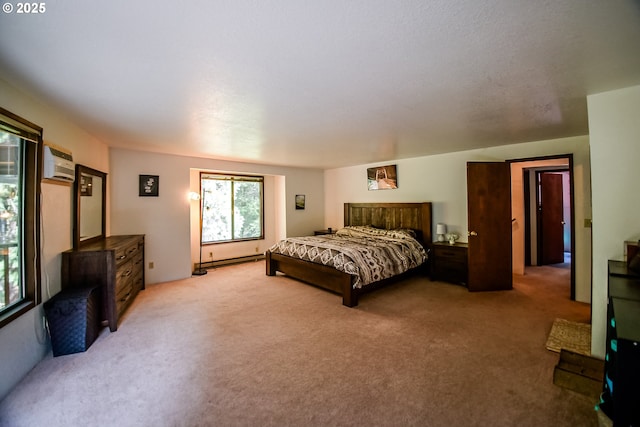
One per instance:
(416, 216)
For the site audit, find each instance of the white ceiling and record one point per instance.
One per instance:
(322, 83)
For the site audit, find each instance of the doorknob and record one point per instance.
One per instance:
(471, 233)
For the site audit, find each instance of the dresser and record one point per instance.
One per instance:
(449, 262)
(116, 263)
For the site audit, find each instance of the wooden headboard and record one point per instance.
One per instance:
(416, 216)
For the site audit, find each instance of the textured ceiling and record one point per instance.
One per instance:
(322, 83)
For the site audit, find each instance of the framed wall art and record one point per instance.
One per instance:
(300, 201)
(382, 178)
(149, 185)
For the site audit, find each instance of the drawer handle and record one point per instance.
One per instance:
(126, 297)
(121, 257)
(126, 273)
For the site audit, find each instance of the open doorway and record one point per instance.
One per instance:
(543, 212)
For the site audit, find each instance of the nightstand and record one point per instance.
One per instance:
(327, 231)
(449, 262)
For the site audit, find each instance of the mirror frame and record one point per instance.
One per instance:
(81, 169)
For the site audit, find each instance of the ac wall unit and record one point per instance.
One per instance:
(58, 164)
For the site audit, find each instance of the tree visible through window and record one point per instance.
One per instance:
(20, 147)
(10, 203)
(231, 207)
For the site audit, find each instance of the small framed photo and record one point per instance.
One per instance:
(382, 178)
(149, 185)
(299, 201)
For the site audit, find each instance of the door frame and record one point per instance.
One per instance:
(569, 158)
(539, 230)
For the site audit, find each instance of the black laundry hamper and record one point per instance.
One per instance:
(74, 318)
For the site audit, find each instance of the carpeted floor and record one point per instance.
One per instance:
(238, 348)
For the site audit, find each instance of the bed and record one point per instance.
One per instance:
(382, 216)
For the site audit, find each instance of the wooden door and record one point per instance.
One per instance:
(489, 219)
(550, 211)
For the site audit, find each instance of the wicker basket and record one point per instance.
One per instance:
(74, 320)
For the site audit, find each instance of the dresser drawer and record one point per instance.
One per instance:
(124, 278)
(125, 271)
(126, 253)
(123, 290)
(450, 254)
(123, 295)
(448, 265)
(137, 285)
(133, 251)
(138, 264)
(123, 286)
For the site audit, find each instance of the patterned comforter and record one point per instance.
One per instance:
(369, 253)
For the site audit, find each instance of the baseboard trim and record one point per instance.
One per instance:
(229, 261)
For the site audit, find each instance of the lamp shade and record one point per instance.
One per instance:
(441, 228)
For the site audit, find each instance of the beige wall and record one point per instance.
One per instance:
(23, 342)
(615, 151)
(170, 222)
(441, 179)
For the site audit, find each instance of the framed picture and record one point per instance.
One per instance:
(299, 201)
(382, 178)
(86, 185)
(149, 185)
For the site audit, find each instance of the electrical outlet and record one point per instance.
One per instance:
(150, 265)
(257, 249)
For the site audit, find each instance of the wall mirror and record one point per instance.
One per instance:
(90, 195)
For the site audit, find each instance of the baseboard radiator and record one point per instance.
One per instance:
(228, 261)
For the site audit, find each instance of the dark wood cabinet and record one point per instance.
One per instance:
(116, 263)
(449, 262)
(621, 386)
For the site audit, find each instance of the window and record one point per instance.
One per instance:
(20, 172)
(231, 207)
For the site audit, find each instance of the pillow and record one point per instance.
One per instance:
(368, 230)
(356, 230)
(411, 232)
(402, 233)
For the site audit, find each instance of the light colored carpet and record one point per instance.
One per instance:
(568, 335)
(238, 348)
